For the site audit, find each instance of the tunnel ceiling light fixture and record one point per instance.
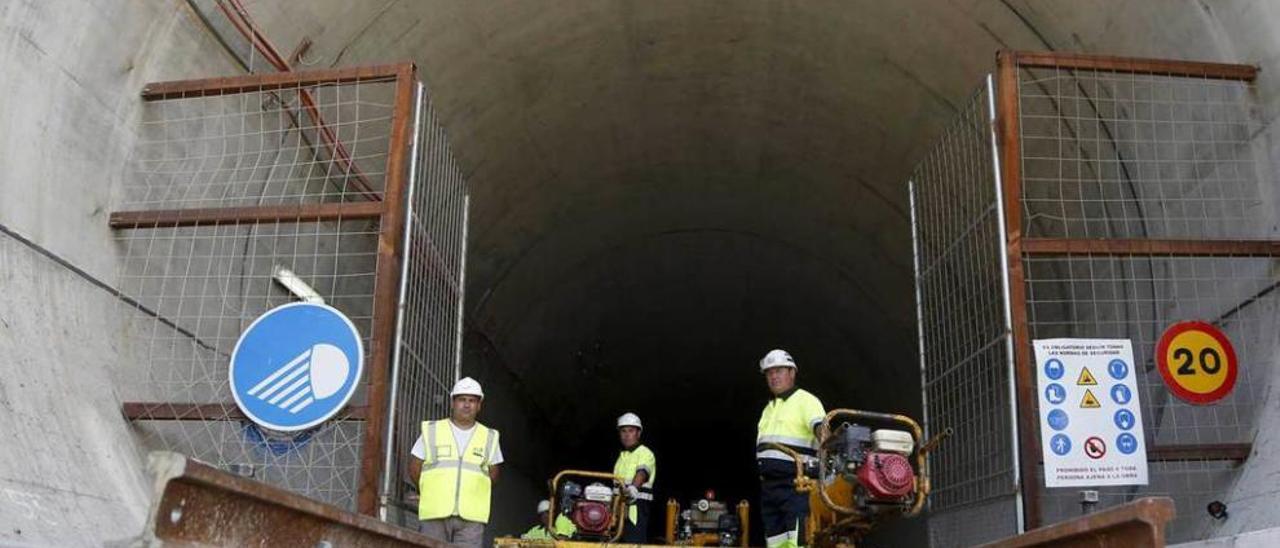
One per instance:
(295, 285)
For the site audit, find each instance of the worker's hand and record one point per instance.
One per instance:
(632, 492)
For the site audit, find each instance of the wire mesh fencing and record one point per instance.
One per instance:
(1135, 195)
(256, 191)
(964, 335)
(1113, 161)
(429, 334)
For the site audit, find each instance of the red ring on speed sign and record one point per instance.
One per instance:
(1176, 385)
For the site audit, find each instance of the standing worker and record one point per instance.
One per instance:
(542, 531)
(456, 468)
(637, 467)
(791, 418)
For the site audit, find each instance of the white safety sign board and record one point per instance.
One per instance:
(1090, 419)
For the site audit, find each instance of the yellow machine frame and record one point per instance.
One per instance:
(832, 518)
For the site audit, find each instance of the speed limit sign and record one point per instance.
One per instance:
(1197, 362)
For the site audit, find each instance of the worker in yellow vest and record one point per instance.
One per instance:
(637, 468)
(456, 467)
(543, 530)
(791, 418)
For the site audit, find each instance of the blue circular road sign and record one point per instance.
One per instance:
(296, 366)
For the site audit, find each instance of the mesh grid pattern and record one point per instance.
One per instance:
(963, 328)
(1112, 155)
(200, 286)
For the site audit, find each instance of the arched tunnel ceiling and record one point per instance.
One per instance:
(662, 191)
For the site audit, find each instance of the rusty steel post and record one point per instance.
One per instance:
(1009, 132)
(386, 286)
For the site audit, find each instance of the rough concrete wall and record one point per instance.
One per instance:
(70, 468)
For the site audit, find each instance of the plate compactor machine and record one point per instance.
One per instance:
(870, 468)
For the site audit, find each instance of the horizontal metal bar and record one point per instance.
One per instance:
(1136, 65)
(1238, 452)
(178, 89)
(158, 218)
(1137, 246)
(197, 505)
(168, 411)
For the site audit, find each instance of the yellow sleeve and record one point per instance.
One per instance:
(814, 411)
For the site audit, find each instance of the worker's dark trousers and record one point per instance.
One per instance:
(783, 512)
(638, 532)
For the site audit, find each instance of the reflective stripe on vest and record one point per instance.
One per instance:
(629, 464)
(455, 481)
(789, 422)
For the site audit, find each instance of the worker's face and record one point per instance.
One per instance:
(465, 408)
(629, 435)
(545, 518)
(781, 379)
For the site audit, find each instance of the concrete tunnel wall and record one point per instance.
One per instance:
(660, 193)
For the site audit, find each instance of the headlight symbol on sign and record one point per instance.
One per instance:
(296, 366)
(313, 375)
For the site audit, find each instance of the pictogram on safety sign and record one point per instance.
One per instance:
(1095, 448)
(1089, 401)
(1086, 378)
(1197, 361)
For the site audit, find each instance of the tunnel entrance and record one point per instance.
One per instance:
(660, 296)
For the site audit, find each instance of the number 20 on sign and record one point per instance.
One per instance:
(1197, 362)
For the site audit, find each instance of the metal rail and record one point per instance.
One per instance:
(197, 505)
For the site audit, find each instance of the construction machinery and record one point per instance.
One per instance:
(870, 468)
(707, 522)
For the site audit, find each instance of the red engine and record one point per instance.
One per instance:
(589, 508)
(591, 517)
(886, 475)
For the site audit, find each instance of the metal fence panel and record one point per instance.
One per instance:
(963, 328)
(1112, 155)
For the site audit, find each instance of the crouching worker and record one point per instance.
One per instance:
(543, 530)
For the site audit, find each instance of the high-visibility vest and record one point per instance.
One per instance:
(455, 481)
(631, 462)
(789, 421)
(564, 528)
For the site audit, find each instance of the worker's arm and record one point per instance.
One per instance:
(816, 414)
(415, 469)
(493, 473)
(640, 478)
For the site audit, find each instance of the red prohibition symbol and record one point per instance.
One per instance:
(1095, 447)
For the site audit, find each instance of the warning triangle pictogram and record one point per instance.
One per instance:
(1086, 378)
(1089, 401)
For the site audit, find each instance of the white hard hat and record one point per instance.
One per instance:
(467, 386)
(630, 419)
(776, 358)
(544, 505)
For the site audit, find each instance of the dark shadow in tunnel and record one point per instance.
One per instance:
(673, 328)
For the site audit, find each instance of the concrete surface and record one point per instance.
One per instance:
(661, 192)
